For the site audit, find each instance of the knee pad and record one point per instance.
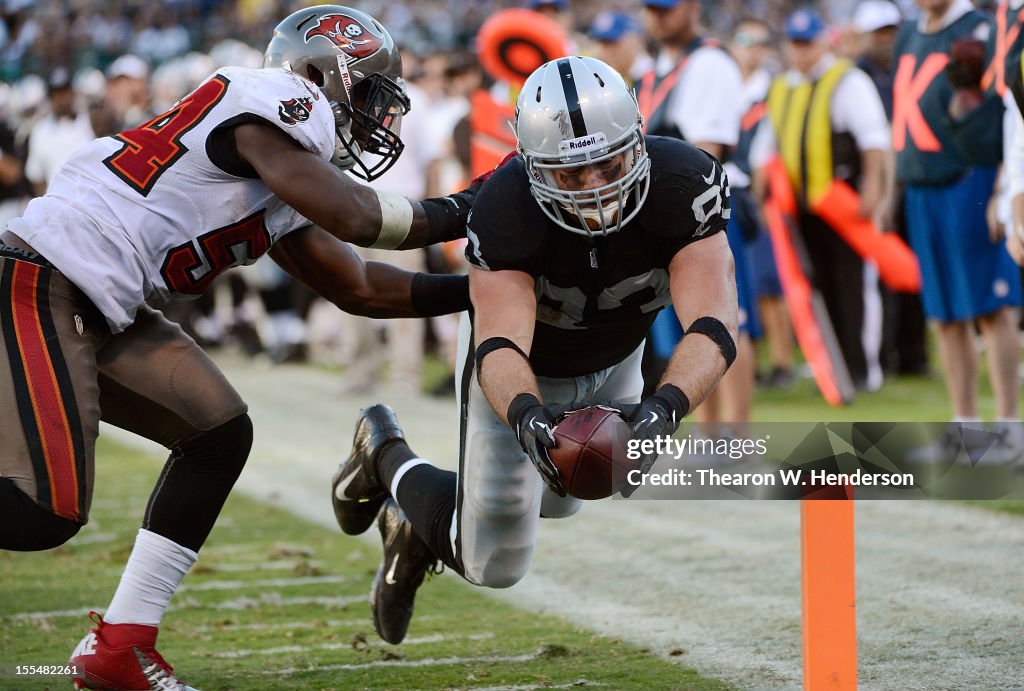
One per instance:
(229, 443)
(505, 570)
(498, 479)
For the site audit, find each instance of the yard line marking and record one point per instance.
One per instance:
(95, 538)
(428, 662)
(264, 583)
(332, 623)
(275, 600)
(261, 566)
(52, 614)
(435, 638)
(266, 600)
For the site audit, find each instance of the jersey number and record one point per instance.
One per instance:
(238, 243)
(150, 149)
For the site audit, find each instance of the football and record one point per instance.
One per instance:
(591, 452)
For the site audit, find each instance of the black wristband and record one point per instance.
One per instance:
(433, 294)
(495, 343)
(676, 400)
(716, 331)
(519, 405)
(447, 216)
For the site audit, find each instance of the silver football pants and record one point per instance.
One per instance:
(501, 496)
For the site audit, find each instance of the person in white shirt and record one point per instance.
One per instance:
(695, 92)
(58, 134)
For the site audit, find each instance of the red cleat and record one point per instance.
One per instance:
(122, 657)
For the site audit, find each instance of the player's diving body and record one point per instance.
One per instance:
(574, 247)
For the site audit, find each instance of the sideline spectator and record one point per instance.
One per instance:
(751, 48)
(967, 276)
(58, 134)
(619, 41)
(695, 92)
(14, 189)
(128, 91)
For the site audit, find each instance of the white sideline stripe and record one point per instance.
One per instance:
(436, 638)
(265, 583)
(428, 662)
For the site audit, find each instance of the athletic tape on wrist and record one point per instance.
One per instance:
(395, 220)
(716, 331)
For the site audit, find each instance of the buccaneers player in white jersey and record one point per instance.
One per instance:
(250, 163)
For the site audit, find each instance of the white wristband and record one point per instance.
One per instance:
(396, 220)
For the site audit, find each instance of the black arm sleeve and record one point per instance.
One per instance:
(433, 294)
(447, 216)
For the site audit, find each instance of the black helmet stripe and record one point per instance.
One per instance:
(572, 98)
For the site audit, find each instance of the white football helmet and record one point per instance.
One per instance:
(356, 64)
(578, 111)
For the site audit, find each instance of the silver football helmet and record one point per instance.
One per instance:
(574, 112)
(356, 64)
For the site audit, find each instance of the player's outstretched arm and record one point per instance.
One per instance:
(372, 289)
(505, 306)
(703, 286)
(348, 210)
(703, 291)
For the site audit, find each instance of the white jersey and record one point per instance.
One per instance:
(147, 214)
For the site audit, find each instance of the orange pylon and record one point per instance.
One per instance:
(829, 594)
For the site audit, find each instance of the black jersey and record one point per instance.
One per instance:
(597, 297)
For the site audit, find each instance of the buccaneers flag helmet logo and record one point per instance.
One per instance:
(295, 110)
(349, 35)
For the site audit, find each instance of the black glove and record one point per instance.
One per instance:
(656, 416)
(534, 425)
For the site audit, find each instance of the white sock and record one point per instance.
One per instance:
(402, 470)
(151, 576)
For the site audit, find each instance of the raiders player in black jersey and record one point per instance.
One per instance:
(574, 248)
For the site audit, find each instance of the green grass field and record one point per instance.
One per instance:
(279, 603)
(276, 602)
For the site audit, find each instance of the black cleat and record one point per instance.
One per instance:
(405, 563)
(356, 479)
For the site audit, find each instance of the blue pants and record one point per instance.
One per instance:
(964, 275)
